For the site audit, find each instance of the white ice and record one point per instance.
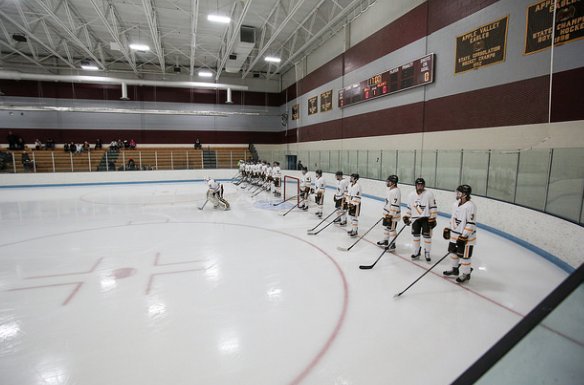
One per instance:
(133, 284)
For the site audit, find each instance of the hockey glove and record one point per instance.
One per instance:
(407, 221)
(446, 233)
(387, 221)
(432, 222)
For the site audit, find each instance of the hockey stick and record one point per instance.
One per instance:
(286, 200)
(321, 222)
(327, 225)
(361, 237)
(203, 206)
(385, 249)
(420, 277)
(293, 207)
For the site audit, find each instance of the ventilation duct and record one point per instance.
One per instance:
(241, 49)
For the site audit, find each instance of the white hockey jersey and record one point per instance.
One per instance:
(276, 172)
(354, 193)
(305, 181)
(421, 206)
(319, 185)
(392, 203)
(463, 221)
(342, 186)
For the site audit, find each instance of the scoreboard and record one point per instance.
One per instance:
(413, 74)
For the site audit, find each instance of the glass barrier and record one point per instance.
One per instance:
(546, 180)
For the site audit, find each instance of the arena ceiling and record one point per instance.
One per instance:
(58, 36)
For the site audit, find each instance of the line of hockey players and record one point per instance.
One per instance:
(260, 176)
(420, 213)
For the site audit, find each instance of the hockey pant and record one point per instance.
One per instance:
(389, 226)
(458, 251)
(421, 225)
(354, 210)
(340, 204)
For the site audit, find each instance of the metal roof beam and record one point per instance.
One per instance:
(152, 19)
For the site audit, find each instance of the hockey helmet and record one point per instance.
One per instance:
(393, 179)
(355, 176)
(339, 173)
(421, 181)
(318, 172)
(465, 189)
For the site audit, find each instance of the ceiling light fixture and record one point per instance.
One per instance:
(89, 67)
(219, 19)
(205, 74)
(272, 59)
(139, 47)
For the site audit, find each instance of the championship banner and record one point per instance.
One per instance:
(326, 101)
(569, 24)
(295, 112)
(313, 105)
(482, 46)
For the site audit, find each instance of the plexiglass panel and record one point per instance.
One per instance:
(388, 163)
(532, 178)
(448, 169)
(475, 166)
(324, 161)
(335, 163)
(428, 167)
(363, 156)
(314, 158)
(374, 169)
(502, 175)
(566, 183)
(405, 166)
(353, 163)
(345, 165)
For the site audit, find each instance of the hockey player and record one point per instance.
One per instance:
(215, 194)
(305, 183)
(340, 194)
(354, 204)
(319, 188)
(421, 213)
(391, 212)
(276, 179)
(462, 234)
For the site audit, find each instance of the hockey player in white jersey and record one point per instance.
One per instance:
(354, 204)
(305, 182)
(339, 197)
(462, 234)
(319, 189)
(276, 179)
(391, 212)
(215, 194)
(421, 213)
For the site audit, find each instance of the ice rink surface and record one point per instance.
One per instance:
(134, 285)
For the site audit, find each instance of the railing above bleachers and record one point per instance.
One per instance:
(148, 158)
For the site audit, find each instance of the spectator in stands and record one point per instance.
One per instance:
(27, 163)
(20, 145)
(113, 147)
(72, 147)
(198, 145)
(38, 145)
(132, 144)
(12, 139)
(300, 165)
(50, 145)
(86, 146)
(131, 164)
(120, 144)
(5, 159)
(98, 145)
(66, 147)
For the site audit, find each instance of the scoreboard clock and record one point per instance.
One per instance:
(413, 74)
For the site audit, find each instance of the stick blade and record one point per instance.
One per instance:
(397, 295)
(342, 248)
(366, 267)
(310, 233)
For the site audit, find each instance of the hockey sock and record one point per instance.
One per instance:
(416, 245)
(465, 266)
(428, 244)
